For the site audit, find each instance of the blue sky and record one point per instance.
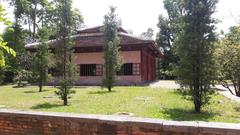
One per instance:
(138, 15)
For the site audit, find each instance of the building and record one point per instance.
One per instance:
(138, 55)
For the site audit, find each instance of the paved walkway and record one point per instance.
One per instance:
(227, 93)
(165, 84)
(174, 85)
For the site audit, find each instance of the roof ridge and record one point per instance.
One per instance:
(134, 36)
(91, 35)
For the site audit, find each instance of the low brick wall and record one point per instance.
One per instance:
(35, 123)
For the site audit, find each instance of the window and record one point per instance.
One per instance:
(99, 70)
(91, 69)
(136, 69)
(129, 69)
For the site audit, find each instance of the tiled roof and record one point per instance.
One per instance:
(97, 29)
(93, 37)
(97, 39)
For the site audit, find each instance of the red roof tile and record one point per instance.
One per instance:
(93, 37)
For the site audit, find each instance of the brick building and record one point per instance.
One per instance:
(138, 55)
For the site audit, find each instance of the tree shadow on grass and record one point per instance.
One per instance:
(188, 115)
(81, 87)
(21, 86)
(101, 92)
(35, 91)
(45, 106)
(181, 114)
(237, 108)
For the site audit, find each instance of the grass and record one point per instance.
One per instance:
(141, 101)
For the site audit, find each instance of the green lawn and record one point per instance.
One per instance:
(141, 101)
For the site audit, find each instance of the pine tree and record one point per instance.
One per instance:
(111, 47)
(41, 59)
(64, 49)
(195, 47)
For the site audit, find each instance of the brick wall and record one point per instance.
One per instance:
(35, 123)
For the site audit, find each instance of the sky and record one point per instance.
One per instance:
(139, 15)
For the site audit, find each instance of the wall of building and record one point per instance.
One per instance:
(14, 122)
(148, 66)
(97, 58)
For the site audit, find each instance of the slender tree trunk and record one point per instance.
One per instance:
(197, 97)
(197, 106)
(40, 86)
(64, 74)
(197, 86)
(197, 101)
(109, 89)
(34, 20)
(15, 33)
(65, 100)
(238, 94)
(238, 89)
(29, 24)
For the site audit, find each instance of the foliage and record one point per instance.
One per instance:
(111, 55)
(22, 77)
(15, 36)
(228, 55)
(36, 14)
(165, 40)
(15, 40)
(195, 47)
(64, 49)
(147, 35)
(77, 19)
(168, 28)
(3, 45)
(41, 59)
(32, 13)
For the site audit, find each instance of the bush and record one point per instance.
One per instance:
(23, 77)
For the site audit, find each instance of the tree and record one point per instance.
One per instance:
(14, 36)
(64, 49)
(195, 47)
(16, 39)
(228, 56)
(41, 59)
(147, 35)
(3, 45)
(22, 61)
(111, 55)
(168, 27)
(165, 41)
(22, 77)
(77, 19)
(32, 13)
